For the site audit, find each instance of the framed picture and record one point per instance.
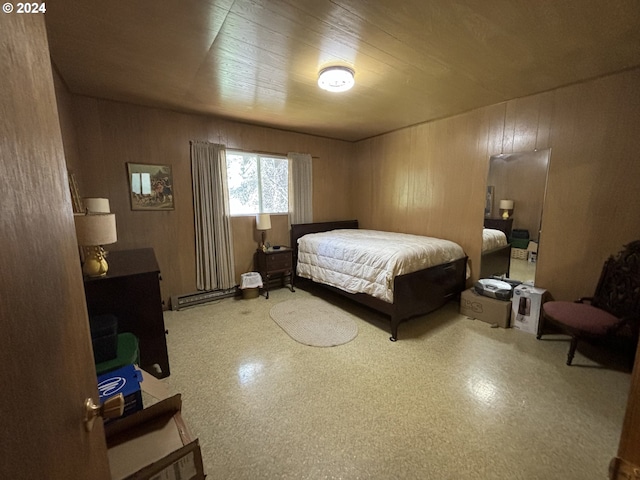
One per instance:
(488, 205)
(76, 200)
(150, 186)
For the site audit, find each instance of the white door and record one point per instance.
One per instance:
(46, 362)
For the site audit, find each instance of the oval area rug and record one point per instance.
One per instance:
(314, 322)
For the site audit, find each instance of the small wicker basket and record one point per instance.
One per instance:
(519, 253)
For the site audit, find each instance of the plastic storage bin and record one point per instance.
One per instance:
(250, 284)
(519, 238)
(104, 337)
(125, 380)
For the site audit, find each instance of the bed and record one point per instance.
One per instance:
(496, 253)
(413, 293)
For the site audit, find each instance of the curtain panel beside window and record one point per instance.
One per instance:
(214, 243)
(300, 188)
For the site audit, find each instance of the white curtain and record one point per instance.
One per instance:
(214, 245)
(300, 188)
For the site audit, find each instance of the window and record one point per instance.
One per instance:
(257, 183)
(141, 183)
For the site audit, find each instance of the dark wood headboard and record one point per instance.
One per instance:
(300, 229)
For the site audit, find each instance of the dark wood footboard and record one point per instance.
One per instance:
(496, 262)
(415, 293)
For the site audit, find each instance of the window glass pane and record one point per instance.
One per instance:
(135, 183)
(242, 176)
(146, 183)
(257, 183)
(274, 175)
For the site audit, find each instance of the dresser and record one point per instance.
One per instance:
(131, 291)
(275, 264)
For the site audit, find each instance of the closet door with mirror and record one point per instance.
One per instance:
(516, 180)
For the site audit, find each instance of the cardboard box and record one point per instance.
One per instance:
(153, 389)
(154, 443)
(526, 306)
(490, 310)
(125, 380)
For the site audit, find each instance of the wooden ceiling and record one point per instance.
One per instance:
(257, 61)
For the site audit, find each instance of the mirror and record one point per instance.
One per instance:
(521, 178)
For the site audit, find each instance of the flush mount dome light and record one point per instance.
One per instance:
(336, 79)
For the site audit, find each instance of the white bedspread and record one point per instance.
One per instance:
(367, 261)
(493, 239)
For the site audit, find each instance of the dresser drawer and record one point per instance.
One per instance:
(279, 261)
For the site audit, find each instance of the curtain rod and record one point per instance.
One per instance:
(261, 152)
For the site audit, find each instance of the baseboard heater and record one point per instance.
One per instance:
(191, 299)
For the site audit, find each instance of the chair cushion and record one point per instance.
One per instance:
(580, 317)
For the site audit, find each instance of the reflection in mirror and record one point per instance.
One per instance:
(516, 187)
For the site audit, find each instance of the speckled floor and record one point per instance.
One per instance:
(452, 399)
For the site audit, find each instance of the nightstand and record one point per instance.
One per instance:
(275, 264)
(500, 224)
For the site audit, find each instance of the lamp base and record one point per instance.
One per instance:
(263, 244)
(95, 263)
(505, 213)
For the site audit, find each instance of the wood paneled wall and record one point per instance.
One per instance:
(429, 179)
(108, 134)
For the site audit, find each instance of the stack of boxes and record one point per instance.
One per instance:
(114, 355)
(153, 442)
(519, 244)
(522, 312)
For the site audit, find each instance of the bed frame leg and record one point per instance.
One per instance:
(394, 330)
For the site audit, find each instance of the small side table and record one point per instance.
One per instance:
(275, 264)
(500, 224)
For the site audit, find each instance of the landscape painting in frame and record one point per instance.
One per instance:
(150, 186)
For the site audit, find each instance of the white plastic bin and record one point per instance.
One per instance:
(250, 284)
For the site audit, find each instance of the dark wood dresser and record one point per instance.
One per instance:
(131, 291)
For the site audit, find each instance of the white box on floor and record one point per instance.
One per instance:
(526, 306)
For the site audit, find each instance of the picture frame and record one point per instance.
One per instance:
(76, 200)
(488, 205)
(150, 186)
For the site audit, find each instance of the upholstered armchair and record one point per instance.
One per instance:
(612, 311)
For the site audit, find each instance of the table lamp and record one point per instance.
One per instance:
(92, 231)
(263, 222)
(506, 209)
(96, 205)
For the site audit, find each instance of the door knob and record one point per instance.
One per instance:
(113, 407)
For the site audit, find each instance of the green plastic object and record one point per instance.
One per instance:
(127, 354)
(519, 242)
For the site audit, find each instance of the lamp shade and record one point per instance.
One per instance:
(96, 205)
(95, 229)
(263, 221)
(506, 204)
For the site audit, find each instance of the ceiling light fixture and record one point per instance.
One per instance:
(336, 79)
